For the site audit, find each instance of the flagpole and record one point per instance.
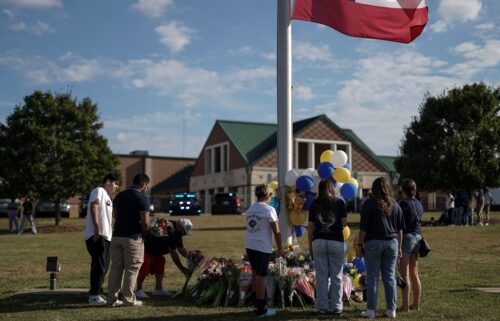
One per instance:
(284, 105)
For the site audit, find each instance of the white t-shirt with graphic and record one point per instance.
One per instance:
(105, 214)
(259, 233)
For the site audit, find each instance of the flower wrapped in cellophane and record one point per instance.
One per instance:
(194, 261)
(160, 226)
(231, 271)
(245, 282)
(304, 287)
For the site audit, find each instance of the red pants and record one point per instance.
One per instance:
(152, 265)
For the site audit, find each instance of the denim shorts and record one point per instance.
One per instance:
(411, 243)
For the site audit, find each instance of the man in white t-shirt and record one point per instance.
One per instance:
(262, 225)
(98, 234)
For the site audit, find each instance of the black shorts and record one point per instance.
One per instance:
(259, 261)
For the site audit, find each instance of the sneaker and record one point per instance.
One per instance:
(486, 224)
(136, 303)
(337, 312)
(141, 294)
(96, 300)
(162, 292)
(117, 303)
(269, 313)
(322, 311)
(370, 314)
(390, 314)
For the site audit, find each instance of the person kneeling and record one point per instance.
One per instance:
(155, 247)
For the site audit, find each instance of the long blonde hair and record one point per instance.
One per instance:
(382, 193)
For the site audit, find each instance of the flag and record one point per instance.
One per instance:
(392, 20)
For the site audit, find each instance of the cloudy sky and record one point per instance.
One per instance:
(162, 71)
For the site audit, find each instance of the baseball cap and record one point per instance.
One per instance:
(186, 225)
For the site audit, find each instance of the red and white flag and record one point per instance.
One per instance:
(392, 20)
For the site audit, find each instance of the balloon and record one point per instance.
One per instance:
(298, 218)
(299, 230)
(326, 156)
(291, 177)
(339, 158)
(337, 190)
(274, 185)
(274, 202)
(346, 232)
(304, 183)
(347, 166)
(316, 180)
(341, 174)
(355, 281)
(348, 190)
(360, 264)
(351, 254)
(325, 170)
(309, 172)
(353, 181)
(310, 197)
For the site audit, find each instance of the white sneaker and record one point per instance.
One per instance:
(370, 314)
(390, 314)
(486, 224)
(141, 294)
(136, 303)
(117, 303)
(162, 292)
(96, 300)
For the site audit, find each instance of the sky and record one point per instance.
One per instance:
(163, 71)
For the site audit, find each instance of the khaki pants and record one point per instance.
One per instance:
(127, 255)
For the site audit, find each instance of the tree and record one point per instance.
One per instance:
(454, 143)
(50, 148)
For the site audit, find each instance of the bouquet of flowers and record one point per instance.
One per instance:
(231, 271)
(209, 283)
(194, 260)
(290, 281)
(159, 226)
(305, 287)
(245, 282)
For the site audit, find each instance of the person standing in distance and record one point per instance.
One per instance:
(131, 211)
(262, 225)
(98, 233)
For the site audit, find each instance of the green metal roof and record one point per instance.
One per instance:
(255, 140)
(388, 161)
(179, 179)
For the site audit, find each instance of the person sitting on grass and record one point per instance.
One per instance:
(155, 247)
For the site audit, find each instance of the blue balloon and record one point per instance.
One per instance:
(310, 197)
(274, 202)
(304, 183)
(346, 165)
(360, 264)
(299, 230)
(325, 170)
(348, 191)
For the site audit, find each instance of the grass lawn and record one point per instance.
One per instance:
(461, 258)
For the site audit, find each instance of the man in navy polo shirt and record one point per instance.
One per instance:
(131, 210)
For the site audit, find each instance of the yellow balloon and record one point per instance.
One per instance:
(346, 232)
(274, 185)
(354, 181)
(355, 281)
(341, 175)
(298, 218)
(351, 254)
(326, 156)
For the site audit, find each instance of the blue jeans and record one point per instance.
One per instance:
(468, 216)
(381, 256)
(328, 263)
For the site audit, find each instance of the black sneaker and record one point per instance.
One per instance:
(337, 312)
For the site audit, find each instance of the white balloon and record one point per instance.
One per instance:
(339, 159)
(316, 180)
(291, 177)
(309, 172)
(337, 190)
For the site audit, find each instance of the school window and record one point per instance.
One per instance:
(217, 158)
(308, 152)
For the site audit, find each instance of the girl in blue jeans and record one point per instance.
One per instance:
(381, 231)
(327, 218)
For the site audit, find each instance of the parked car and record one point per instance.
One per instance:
(184, 204)
(226, 203)
(4, 202)
(47, 208)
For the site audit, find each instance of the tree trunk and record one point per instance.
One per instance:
(57, 211)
